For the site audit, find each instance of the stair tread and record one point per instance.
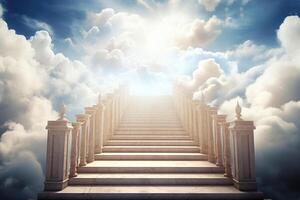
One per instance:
(148, 153)
(150, 163)
(217, 191)
(166, 147)
(152, 175)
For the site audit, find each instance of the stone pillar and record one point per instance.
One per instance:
(226, 148)
(203, 131)
(91, 141)
(217, 121)
(58, 153)
(190, 120)
(195, 104)
(242, 153)
(210, 136)
(74, 148)
(107, 118)
(84, 120)
(185, 111)
(99, 126)
(101, 110)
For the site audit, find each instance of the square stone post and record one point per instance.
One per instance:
(217, 121)
(58, 153)
(75, 148)
(210, 136)
(242, 153)
(84, 120)
(91, 141)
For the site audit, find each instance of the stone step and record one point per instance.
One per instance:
(147, 166)
(140, 122)
(147, 117)
(151, 193)
(157, 114)
(151, 132)
(149, 179)
(149, 129)
(146, 125)
(162, 149)
(150, 156)
(150, 143)
(149, 137)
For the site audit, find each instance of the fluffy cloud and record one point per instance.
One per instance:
(206, 69)
(270, 96)
(33, 78)
(272, 101)
(199, 33)
(210, 5)
(289, 32)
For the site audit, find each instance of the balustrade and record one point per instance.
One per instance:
(70, 145)
(227, 144)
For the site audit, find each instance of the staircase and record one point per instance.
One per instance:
(150, 156)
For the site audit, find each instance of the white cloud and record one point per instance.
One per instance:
(33, 78)
(288, 34)
(100, 19)
(210, 5)
(199, 33)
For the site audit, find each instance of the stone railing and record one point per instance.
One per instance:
(227, 144)
(73, 144)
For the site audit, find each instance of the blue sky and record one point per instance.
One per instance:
(261, 18)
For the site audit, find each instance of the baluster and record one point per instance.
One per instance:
(84, 120)
(226, 148)
(91, 139)
(210, 139)
(195, 122)
(203, 130)
(217, 120)
(74, 149)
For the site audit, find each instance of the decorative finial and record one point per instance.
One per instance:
(62, 112)
(238, 111)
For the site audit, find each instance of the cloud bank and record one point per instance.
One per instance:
(271, 97)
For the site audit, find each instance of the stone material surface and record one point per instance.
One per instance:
(242, 154)
(84, 120)
(58, 154)
(159, 148)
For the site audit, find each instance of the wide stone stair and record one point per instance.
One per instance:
(151, 156)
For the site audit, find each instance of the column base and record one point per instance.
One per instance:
(245, 186)
(82, 163)
(211, 159)
(55, 186)
(98, 149)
